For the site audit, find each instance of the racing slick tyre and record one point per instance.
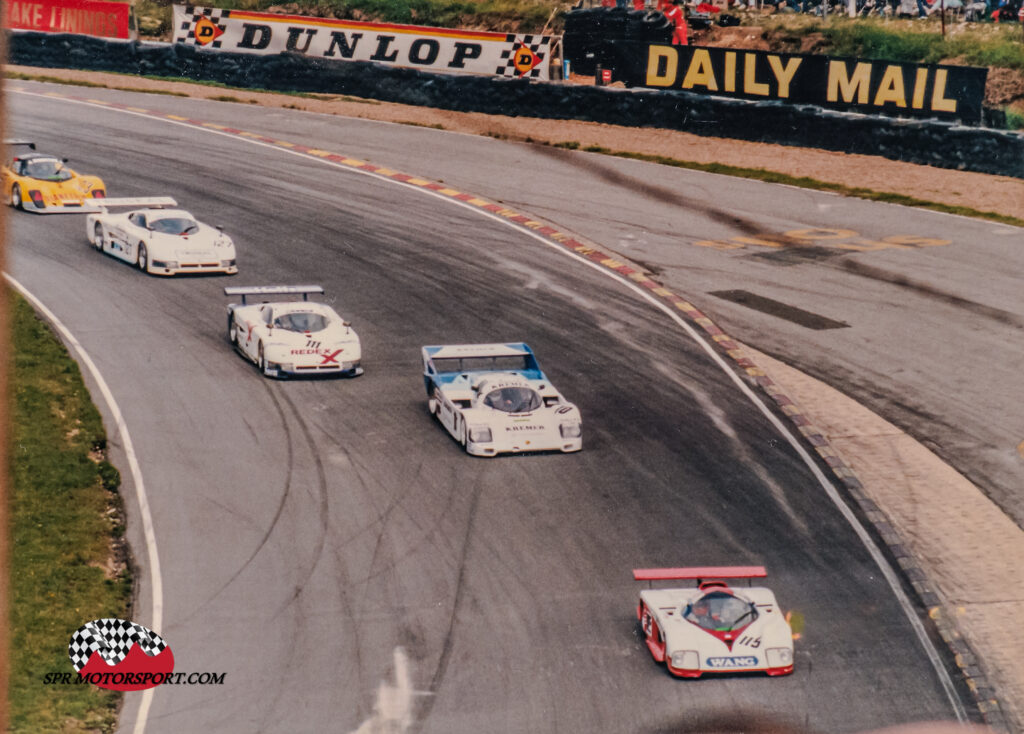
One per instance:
(16, 197)
(464, 436)
(143, 261)
(432, 406)
(98, 237)
(232, 331)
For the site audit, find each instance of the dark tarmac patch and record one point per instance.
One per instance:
(781, 310)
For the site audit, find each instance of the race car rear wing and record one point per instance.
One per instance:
(699, 573)
(274, 290)
(29, 143)
(150, 202)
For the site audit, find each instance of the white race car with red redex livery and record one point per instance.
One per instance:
(292, 337)
(161, 241)
(494, 399)
(713, 627)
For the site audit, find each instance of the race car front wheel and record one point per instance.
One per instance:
(97, 239)
(16, 197)
(143, 258)
(261, 359)
(232, 330)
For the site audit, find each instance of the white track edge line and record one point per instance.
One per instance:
(887, 571)
(133, 463)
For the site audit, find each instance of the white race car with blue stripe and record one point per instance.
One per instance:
(494, 399)
(713, 627)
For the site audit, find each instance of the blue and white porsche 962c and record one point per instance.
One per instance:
(714, 628)
(292, 337)
(494, 399)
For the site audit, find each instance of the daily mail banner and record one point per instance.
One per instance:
(421, 47)
(880, 87)
(88, 17)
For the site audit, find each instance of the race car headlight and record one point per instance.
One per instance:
(779, 657)
(569, 430)
(99, 194)
(169, 264)
(37, 197)
(685, 660)
(480, 434)
(227, 263)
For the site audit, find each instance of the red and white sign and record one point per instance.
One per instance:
(418, 47)
(87, 17)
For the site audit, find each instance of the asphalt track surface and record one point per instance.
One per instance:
(308, 528)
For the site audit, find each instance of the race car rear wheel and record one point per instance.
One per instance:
(98, 237)
(16, 197)
(143, 260)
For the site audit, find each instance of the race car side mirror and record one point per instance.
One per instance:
(346, 323)
(220, 227)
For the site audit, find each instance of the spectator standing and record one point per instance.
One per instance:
(672, 11)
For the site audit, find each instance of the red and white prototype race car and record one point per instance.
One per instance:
(712, 627)
(292, 337)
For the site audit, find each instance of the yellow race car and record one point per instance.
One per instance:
(44, 184)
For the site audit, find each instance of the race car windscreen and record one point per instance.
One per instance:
(305, 322)
(46, 169)
(174, 225)
(720, 612)
(513, 400)
(511, 363)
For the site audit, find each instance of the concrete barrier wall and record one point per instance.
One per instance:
(929, 142)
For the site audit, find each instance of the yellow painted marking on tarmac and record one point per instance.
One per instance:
(143, 110)
(719, 245)
(94, 101)
(610, 263)
(179, 118)
(352, 162)
(533, 225)
(1020, 448)
(385, 172)
(639, 277)
(481, 202)
(418, 182)
(448, 192)
(663, 292)
(763, 241)
(283, 143)
(559, 236)
(320, 153)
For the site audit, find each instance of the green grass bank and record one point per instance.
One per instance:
(68, 559)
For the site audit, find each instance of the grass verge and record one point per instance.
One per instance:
(804, 182)
(68, 563)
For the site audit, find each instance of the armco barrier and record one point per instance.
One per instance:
(929, 142)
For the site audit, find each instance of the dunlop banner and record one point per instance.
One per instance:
(880, 87)
(421, 47)
(87, 17)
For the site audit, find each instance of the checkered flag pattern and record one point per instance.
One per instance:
(113, 638)
(187, 31)
(539, 45)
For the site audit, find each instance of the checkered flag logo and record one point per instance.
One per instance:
(516, 62)
(204, 21)
(112, 638)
